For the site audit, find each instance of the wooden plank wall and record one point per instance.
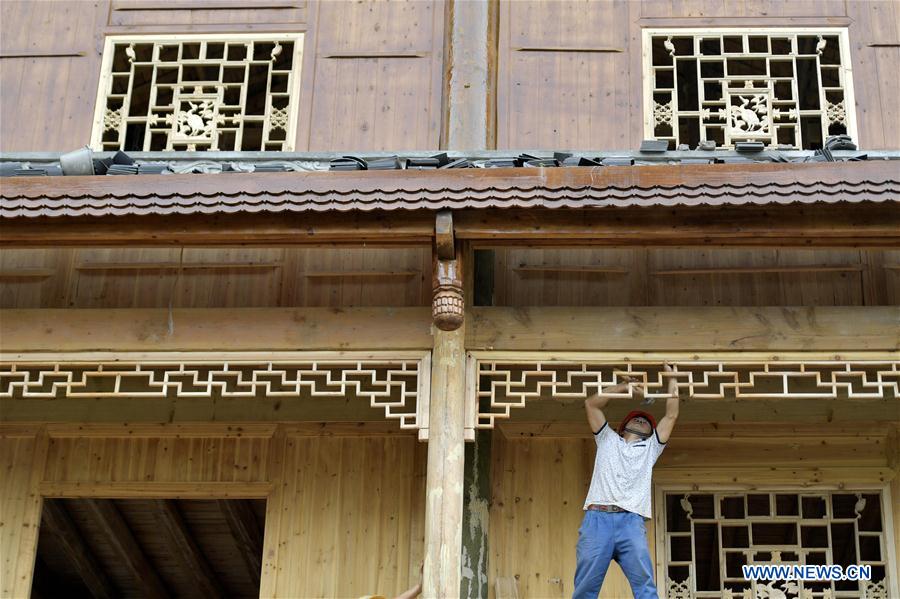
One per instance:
(569, 74)
(539, 485)
(345, 512)
(362, 531)
(214, 277)
(669, 277)
(326, 277)
(372, 74)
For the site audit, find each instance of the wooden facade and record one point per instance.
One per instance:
(298, 357)
(374, 74)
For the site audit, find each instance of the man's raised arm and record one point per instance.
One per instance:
(594, 404)
(667, 423)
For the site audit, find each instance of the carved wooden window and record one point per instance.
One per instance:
(191, 92)
(779, 87)
(706, 537)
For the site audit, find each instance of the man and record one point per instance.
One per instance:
(618, 500)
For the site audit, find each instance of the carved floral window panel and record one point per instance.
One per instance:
(707, 536)
(790, 88)
(198, 92)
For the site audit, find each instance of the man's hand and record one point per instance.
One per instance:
(594, 404)
(667, 423)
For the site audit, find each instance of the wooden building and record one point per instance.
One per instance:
(366, 260)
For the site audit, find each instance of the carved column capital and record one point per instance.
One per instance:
(447, 303)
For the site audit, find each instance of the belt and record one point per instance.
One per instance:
(596, 507)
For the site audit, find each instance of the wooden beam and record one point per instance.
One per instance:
(57, 522)
(113, 525)
(154, 490)
(444, 242)
(382, 229)
(445, 467)
(826, 225)
(546, 415)
(247, 535)
(196, 329)
(843, 328)
(837, 329)
(185, 548)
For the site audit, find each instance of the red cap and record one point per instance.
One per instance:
(635, 414)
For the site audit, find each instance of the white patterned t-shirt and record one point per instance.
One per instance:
(623, 471)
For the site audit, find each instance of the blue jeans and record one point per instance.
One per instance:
(619, 536)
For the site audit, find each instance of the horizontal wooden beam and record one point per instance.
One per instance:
(633, 329)
(548, 413)
(157, 490)
(821, 225)
(409, 228)
(649, 329)
(862, 431)
(242, 329)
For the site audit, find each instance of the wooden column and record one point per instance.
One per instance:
(477, 485)
(446, 444)
(468, 126)
(22, 455)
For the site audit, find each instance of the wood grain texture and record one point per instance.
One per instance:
(34, 116)
(22, 456)
(296, 329)
(564, 100)
(374, 78)
(539, 485)
(345, 517)
(685, 329)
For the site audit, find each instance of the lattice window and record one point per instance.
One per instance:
(708, 536)
(198, 92)
(502, 384)
(396, 384)
(780, 87)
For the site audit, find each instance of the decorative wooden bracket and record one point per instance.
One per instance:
(447, 304)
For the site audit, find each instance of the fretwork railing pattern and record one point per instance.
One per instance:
(502, 384)
(398, 385)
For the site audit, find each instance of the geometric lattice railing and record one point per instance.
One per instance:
(398, 384)
(499, 384)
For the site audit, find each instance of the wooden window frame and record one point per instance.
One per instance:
(845, 70)
(288, 121)
(887, 525)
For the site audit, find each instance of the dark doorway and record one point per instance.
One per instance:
(149, 547)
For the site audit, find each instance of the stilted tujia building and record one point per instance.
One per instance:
(323, 297)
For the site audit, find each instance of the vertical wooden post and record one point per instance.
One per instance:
(446, 443)
(477, 488)
(444, 478)
(469, 75)
(22, 457)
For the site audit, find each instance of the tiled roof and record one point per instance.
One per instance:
(545, 187)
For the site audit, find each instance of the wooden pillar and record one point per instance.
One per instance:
(446, 444)
(22, 456)
(468, 125)
(477, 488)
(892, 452)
